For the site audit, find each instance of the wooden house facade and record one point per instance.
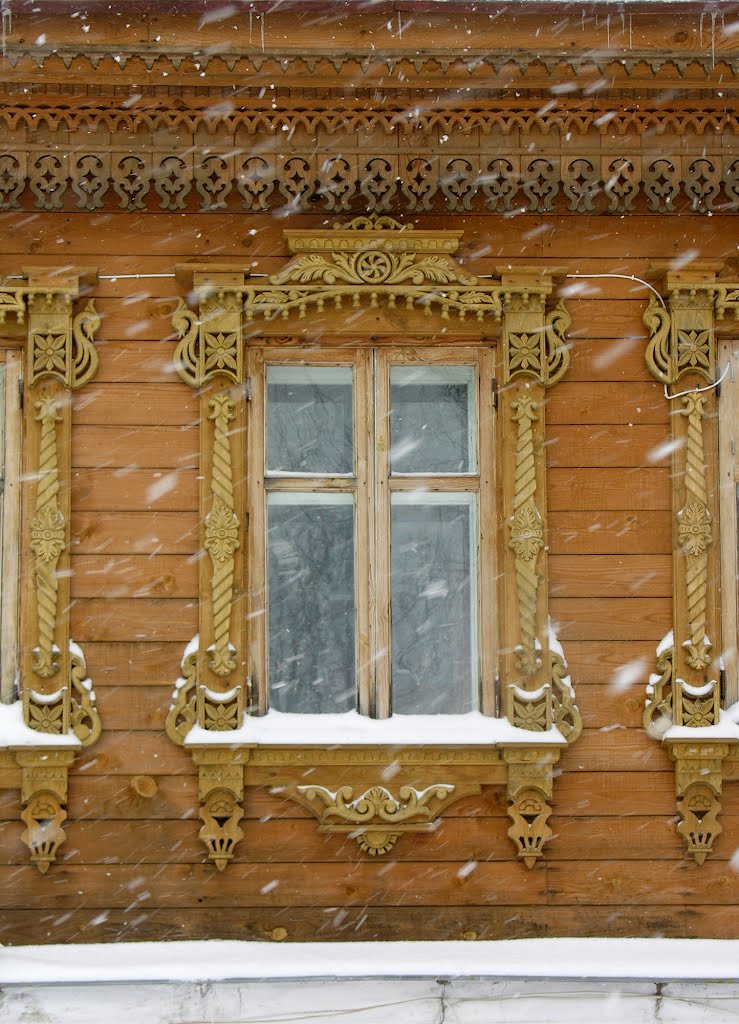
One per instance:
(211, 212)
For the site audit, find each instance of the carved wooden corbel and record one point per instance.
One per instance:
(684, 694)
(44, 798)
(698, 782)
(377, 817)
(530, 775)
(57, 697)
(221, 793)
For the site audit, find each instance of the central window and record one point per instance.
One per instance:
(372, 530)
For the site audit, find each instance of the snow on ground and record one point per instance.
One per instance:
(633, 959)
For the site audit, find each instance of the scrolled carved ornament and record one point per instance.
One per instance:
(495, 158)
(684, 693)
(58, 700)
(375, 263)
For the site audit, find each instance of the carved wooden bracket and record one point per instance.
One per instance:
(221, 792)
(530, 775)
(44, 798)
(57, 697)
(684, 693)
(377, 817)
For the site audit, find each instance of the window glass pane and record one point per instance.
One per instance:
(310, 556)
(309, 419)
(434, 601)
(432, 419)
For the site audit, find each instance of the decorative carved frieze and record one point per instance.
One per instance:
(285, 115)
(400, 60)
(534, 179)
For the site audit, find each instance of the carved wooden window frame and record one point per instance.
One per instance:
(728, 423)
(374, 688)
(394, 280)
(57, 715)
(10, 516)
(684, 696)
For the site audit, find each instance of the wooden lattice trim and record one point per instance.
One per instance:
(389, 115)
(493, 175)
(239, 62)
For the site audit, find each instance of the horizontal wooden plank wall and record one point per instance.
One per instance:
(132, 866)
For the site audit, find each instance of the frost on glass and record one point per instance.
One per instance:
(309, 419)
(434, 599)
(432, 419)
(310, 566)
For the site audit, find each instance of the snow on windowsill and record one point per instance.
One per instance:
(352, 729)
(216, 960)
(15, 733)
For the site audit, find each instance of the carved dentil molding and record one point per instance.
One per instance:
(389, 114)
(252, 60)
